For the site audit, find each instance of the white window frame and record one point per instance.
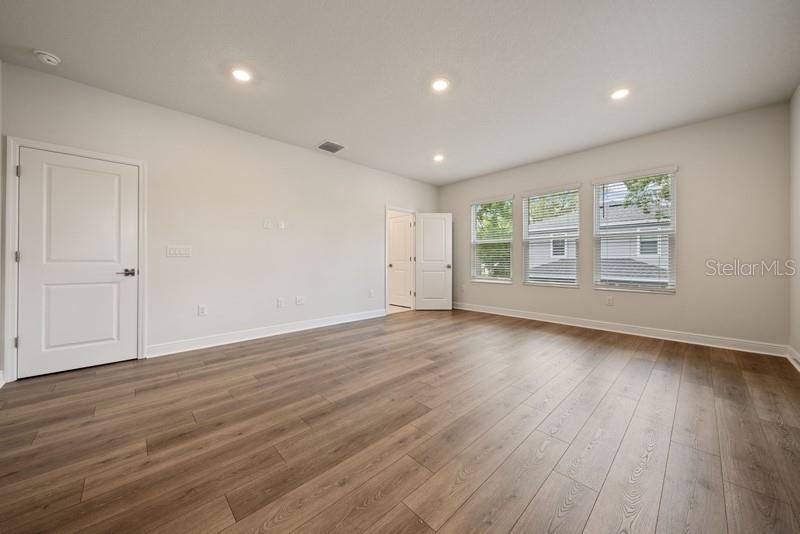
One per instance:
(473, 242)
(673, 236)
(544, 191)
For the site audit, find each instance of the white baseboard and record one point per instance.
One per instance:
(772, 349)
(2, 380)
(183, 345)
(794, 357)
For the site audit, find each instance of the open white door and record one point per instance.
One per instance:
(401, 264)
(78, 262)
(434, 261)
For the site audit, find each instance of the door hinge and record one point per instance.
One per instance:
(16, 342)
(17, 256)
(19, 171)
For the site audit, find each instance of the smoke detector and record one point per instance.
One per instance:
(330, 146)
(47, 58)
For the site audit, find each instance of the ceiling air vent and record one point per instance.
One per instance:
(331, 147)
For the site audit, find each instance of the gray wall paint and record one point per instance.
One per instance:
(732, 191)
(211, 186)
(795, 220)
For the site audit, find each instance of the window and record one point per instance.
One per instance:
(648, 246)
(558, 247)
(634, 230)
(550, 237)
(491, 240)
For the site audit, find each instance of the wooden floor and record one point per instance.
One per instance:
(419, 422)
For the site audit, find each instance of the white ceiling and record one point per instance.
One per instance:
(530, 78)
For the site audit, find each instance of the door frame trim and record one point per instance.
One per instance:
(11, 242)
(386, 211)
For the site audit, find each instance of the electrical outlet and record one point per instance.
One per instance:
(202, 310)
(280, 302)
(267, 224)
(282, 225)
(179, 251)
(609, 301)
(300, 301)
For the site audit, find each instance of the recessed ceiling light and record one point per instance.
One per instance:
(440, 85)
(242, 75)
(438, 158)
(48, 58)
(619, 94)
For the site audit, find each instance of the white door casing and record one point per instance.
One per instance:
(434, 278)
(78, 231)
(401, 264)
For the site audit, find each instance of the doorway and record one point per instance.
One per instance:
(400, 261)
(74, 218)
(419, 258)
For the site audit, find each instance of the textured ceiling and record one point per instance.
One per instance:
(530, 79)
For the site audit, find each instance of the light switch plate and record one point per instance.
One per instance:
(280, 302)
(202, 310)
(282, 225)
(299, 300)
(179, 251)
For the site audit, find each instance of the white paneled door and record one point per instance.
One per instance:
(78, 262)
(401, 264)
(434, 261)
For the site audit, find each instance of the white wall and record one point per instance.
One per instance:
(732, 191)
(211, 187)
(795, 221)
(2, 227)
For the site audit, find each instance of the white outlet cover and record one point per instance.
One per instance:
(202, 310)
(179, 251)
(267, 224)
(280, 302)
(282, 225)
(299, 301)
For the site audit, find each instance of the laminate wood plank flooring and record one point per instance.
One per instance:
(419, 422)
(692, 500)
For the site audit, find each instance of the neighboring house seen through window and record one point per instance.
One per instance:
(648, 246)
(634, 231)
(491, 240)
(558, 247)
(550, 223)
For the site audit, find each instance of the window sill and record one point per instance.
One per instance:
(489, 281)
(552, 284)
(656, 291)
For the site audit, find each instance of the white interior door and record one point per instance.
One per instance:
(401, 264)
(78, 233)
(434, 261)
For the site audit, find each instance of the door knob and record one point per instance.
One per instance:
(449, 266)
(390, 265)
(127, 272)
